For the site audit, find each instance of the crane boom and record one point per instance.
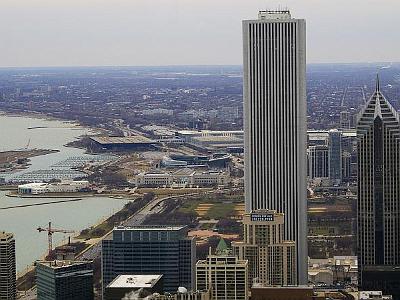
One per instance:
(50, 232)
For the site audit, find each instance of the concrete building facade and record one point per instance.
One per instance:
(182, 178)
(7, 267)
(225, 275)
(271, 259)
(275, 122)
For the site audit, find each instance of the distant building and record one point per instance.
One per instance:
(148, 250)
(158, 111)
(182, 178)
(57, 187)
(274, 101)
(123, 285)
(345, 120)
(7, 267)
(64, 280)
(378, 210)
(335, 156)
(212, 139)
(225, 275)
(271, 259)
(121, 143)
(318, 162)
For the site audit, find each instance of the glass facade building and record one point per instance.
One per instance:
(378, 209)
(163, 250)
(64, 280)
(7, 267)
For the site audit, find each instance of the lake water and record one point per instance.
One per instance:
(30, 244)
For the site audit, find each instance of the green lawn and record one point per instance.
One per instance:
(220, 210)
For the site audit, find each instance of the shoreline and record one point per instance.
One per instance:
(45, 117)
(74, 237)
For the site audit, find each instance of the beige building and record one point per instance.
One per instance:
(182, 178)
(198, 295)
(225, 275)
(271, 259)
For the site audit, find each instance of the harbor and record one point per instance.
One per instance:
(73, 212)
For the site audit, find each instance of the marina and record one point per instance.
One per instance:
(23, 215)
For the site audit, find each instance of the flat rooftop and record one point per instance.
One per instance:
(134, 281)
(5, 236)
(56, 264)
(150, 228)
(107, 140)
(210, 132)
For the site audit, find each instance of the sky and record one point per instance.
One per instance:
(39, 33)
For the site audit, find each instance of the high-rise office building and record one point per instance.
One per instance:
(275, 122)
(225, 275)
(317, 162)
(7, 267)
(345, 120)
(335, 155)
(64, 280)
(271, 259)
(378, 211)
(148, 250)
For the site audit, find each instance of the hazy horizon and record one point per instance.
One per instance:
(86, 33)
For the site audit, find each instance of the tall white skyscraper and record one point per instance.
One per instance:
(275, 123)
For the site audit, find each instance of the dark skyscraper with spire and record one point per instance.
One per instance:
(378, 213)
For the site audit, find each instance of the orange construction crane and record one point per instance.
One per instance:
(50, 232)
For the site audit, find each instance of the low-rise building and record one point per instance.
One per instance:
(373, 295)
(337, 269)
(182, 178)
(37, 188)
(123, 285)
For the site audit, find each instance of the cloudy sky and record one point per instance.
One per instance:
(179, 32)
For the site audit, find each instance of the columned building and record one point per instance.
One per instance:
(274, 48)
(378, 212)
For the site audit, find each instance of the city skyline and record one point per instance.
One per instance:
(98, 33)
